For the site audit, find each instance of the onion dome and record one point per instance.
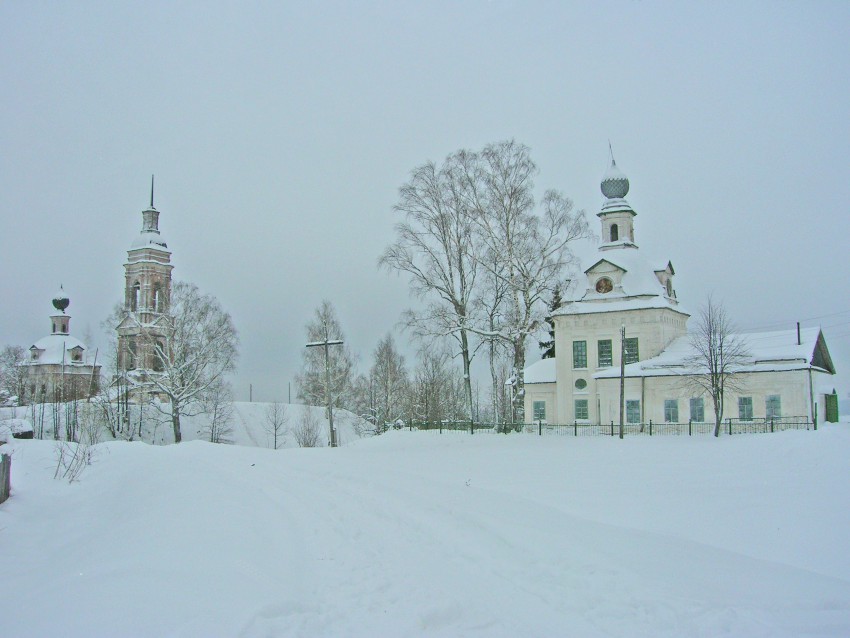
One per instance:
(615, 185)
(61, 301)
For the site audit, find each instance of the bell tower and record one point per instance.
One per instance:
(147, 291)
(617, 215)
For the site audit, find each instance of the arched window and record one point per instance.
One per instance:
(131, 351)
(615, 232)
(669, 288)
(158, 354)
(157, 298)
(134, 296)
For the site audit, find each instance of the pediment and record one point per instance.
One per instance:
(604, 265)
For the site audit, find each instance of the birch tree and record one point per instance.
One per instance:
(276, 422)
(388, 379)
(435, 247)
(529, 251)
(13, 373)
(311, 381)
(718, 355)
(196, 351)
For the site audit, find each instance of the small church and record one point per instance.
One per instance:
(59, 367)
(785, 374)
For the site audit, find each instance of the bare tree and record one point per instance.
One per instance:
(438, 392)
(311, 382)
(307, 432)
(197, 349)
(217, 404)
(13, 373)
(529, 251)
(435, 246)
(388, 377)
(718, 355)
(276, 423)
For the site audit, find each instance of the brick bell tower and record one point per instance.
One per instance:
(147, 291)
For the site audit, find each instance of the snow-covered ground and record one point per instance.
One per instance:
(418, 534)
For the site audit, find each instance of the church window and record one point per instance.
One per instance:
(604, 351)
(633, 411)
(159, 353)
(539, 410)
(134, 296)
(131, 348)
(698, 410)
(745, 408)
(580, 384)
(671, 410)
(632, 354)
(669, 288)
(581, 411)
(76, 356)
(615, 232)
(773, 406)
(579, 354)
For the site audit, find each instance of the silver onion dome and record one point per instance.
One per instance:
(615, 185)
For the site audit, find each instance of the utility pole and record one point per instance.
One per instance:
(327, 342)
(622, 376)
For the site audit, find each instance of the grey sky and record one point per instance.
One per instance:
(279, 136)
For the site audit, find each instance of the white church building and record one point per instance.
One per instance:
(786, 373)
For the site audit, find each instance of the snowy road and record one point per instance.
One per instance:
(422, 535)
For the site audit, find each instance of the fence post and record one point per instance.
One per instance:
(730, 427)
(5, 476)
(441, 426)
(612, 428)
(540, 427)
(575, 427)
(650, 427)
(771, 425)
(690, 428)
(815, 422)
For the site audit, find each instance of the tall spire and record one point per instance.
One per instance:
(152, 187)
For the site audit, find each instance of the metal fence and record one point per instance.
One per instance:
(575, 429)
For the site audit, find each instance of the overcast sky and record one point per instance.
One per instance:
(279, 136)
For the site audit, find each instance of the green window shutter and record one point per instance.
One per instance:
(632, 353)
(633, 411)
(579, 354)
(671, 410)
(773, 406)
(697, 410)
(581, 410)
(539, 410)
(745, 408)
(604, 352)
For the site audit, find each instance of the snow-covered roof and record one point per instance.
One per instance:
(51, 348)
(639, 288)
(150, 240)
(541, 372)
(766, 352)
